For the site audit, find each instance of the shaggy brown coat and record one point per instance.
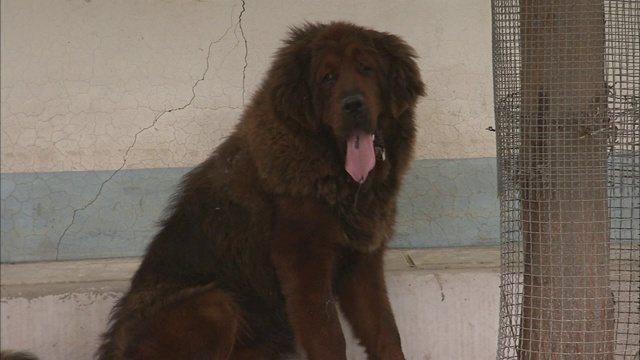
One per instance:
(275, 228)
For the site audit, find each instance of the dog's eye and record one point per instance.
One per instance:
(364, 68)
(329, 78)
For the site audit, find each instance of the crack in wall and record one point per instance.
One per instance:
(246, 49)
(437, 277)
(153, 124)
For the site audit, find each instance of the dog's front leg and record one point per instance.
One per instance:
(365, 304)
(304, 254)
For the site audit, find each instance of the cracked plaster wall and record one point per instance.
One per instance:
(105, 104)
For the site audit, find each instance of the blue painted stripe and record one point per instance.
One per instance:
(451, 202)
(81, 215)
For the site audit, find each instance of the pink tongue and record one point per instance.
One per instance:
(360, 155)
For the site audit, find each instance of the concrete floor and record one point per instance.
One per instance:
(446, 304)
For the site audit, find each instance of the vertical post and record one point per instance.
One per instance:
(568, 310)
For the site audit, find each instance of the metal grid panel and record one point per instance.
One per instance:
(567, 102)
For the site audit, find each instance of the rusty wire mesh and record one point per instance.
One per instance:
(567, 106)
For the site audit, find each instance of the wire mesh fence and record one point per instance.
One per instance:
(567, 105)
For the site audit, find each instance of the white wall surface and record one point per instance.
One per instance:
(93, 85)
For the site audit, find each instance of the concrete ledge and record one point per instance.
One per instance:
(445, 301)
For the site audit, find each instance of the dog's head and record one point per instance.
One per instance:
(350, 80)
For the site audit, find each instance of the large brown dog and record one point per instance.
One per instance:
(288, 217)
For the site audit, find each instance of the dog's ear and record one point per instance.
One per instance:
(404, 84)
(291, 75)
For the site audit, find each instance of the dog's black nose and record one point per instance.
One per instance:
(353, 104)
